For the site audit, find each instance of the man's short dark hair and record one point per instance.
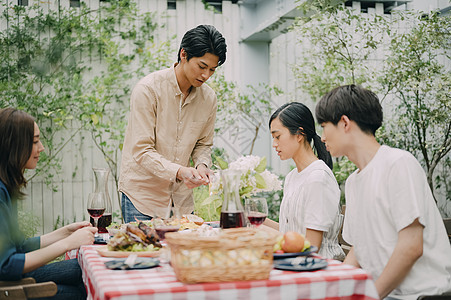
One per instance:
(204, 39)
(357, 103)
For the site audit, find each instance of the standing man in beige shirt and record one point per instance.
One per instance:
(172, 116)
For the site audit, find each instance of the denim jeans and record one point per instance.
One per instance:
(67, 276)
(130, 213)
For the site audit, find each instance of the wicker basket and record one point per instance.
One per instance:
(235, 254)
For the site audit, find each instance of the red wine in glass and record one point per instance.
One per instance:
(232, 219)
(103, 222)
(256, 209)
(96, 206)
(256, 218)
(96, 212)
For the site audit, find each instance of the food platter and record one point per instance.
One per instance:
(103, 251)
(307, 252)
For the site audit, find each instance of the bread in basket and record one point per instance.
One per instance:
(233, 254)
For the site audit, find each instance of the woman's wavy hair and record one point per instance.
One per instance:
(16, 144)
(298, 118)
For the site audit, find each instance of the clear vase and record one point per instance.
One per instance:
(101, 186)
(232, 211)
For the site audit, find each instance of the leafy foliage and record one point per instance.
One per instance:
(343, 167)
(47, 60)
(402, 57)
(416, 77)
(314, 7)
(46, 69)
(340, 45)
(28, 223)
(240, 112)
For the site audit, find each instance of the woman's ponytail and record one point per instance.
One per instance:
(321, 151)
(298, 118)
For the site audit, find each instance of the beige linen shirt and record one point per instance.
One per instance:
(163, 132)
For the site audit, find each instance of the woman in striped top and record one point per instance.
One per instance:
(311, 200)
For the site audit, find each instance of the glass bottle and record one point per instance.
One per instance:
(232, 211)
(101, 186)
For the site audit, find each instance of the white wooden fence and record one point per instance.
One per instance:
(68, 201)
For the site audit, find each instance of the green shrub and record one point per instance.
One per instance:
(28, 223)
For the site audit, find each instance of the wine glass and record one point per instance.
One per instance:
(170, 223)
(256, 210)
(96, 206)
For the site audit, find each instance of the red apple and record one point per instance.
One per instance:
(293, 242)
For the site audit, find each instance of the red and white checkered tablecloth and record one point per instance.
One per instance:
(337, 281)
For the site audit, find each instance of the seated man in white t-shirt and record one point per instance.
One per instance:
(392, 220)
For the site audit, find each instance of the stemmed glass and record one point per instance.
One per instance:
(256, 210)
(96, 206)
(170, 223)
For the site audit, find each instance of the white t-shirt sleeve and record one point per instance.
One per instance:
(321, 207)
(405, 192)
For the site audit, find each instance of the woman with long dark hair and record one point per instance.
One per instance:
(311, 196)
(20, 147)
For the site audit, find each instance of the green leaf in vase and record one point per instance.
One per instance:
(261, 184)
(222, 163)
(261, 166)
(211, 199)
(245, 190)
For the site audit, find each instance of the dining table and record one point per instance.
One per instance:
(336, 281)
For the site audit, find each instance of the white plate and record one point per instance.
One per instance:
(307, 263)
(307, 252)
(103, 251)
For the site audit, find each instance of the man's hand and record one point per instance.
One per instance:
(190, 177)
(205, 173)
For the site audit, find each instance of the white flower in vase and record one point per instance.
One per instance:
(255, 178)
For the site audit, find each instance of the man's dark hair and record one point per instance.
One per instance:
(357, 103)
(203, 39)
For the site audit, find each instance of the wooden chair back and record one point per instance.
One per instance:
(26, 288)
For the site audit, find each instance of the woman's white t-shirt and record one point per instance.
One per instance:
(382, 199)
(311, 199)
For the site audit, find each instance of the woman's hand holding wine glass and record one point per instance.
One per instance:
(72, 227)
(256, 210)
(82, 236)
(96, 206)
